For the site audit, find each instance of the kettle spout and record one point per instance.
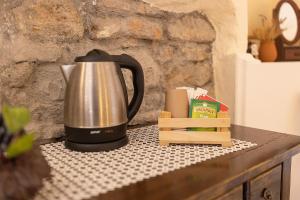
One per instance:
(67, 70)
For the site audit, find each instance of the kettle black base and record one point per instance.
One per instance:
(96, 139)
(107, 146)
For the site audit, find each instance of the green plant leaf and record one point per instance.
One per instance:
(20, 146)
(16, 118)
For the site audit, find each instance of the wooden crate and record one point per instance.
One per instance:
(170, 133)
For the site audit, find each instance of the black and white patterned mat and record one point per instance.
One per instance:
(79, 176)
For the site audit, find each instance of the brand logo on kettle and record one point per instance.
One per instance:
(95, 132)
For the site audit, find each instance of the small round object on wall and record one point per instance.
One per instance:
(287, 12)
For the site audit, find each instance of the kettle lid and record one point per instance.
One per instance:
(95, 55)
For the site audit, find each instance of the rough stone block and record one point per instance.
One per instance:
(46, 129)
(106, 27)
(125, 7)
(53, 20)
(147, 117)
(118, 6)
(26, 50)
(143, 28)
(148, 10)
(195, 52)
(163, 52)
(116, 27)
(16, 75)
(191, 27)
(48, 85)
(188, 74)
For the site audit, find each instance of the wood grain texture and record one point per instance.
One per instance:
(286, 179)
(212, 178)
(193, 122)
(165, 114)
(223, 115)
(169, 135)
(195, 137)
(268, 182)
(234, 194)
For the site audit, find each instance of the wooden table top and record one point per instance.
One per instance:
(217, 175)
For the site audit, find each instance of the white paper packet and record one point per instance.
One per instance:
(193, 92)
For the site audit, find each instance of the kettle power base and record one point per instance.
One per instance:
(106, 146)
(96, 139)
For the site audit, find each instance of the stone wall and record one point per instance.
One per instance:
(230, 21)
(37, 36)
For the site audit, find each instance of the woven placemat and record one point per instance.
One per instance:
(79, 176)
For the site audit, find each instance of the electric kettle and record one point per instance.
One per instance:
(96, 110)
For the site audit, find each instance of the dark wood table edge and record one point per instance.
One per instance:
(250, 174)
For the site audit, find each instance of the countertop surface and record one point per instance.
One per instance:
(207, 179)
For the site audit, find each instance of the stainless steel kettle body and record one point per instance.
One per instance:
(96, 102)
(95, 97)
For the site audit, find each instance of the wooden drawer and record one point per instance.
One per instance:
(234, 194)
(266, 186)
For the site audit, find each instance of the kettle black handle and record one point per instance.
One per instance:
(128, 62)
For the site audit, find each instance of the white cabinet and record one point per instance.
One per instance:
(266, 96)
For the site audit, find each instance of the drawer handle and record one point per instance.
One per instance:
(267, 195)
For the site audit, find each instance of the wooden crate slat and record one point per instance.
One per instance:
(193, 136)
(222, 115)
(193, 122)
(227, 143)
(169, 135)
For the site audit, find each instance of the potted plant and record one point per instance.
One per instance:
(267, 34)
(22, 166)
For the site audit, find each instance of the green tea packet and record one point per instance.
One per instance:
(203, 109)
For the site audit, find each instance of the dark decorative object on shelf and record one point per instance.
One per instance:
(288, 43)
(22, 166)
(22, 177)
(253, 48)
